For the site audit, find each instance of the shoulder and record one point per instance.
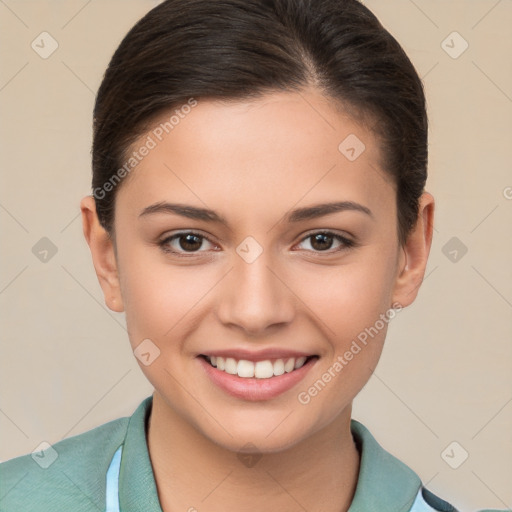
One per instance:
(436, 504)
(69, 475)
(387, 484)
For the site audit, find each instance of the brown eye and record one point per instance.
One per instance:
(182, 243)
(190, 242)
(322, 241)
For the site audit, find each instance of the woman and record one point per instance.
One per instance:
(259, 214)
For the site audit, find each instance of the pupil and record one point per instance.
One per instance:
(322, 237)
(189, 241)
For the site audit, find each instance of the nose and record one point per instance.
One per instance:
(255, 297)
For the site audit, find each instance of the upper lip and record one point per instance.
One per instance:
(259, 355)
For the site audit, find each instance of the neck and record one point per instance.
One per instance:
(192, 472)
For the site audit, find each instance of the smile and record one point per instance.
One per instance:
(255, 376)
(260, 370)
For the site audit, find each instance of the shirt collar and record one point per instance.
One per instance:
(384, 483)
(137, 486)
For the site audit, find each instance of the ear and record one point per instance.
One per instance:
(414, 253)
(103, 254)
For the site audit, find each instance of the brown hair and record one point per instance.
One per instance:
(243, 49)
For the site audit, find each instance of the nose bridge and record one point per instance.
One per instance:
(253, 296)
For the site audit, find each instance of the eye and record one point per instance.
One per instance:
(191, 242)
(184, 242)
(322, 241)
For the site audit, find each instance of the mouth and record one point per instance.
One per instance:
(260, 376)
(264, 369)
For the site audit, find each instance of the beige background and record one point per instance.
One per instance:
(446, 372)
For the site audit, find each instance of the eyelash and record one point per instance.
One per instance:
(164, 244)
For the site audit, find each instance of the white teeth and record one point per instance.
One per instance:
(245, 368)
(289, 365)
(279, 367)
(230, 366)
(263, 369)
(300, 362)
(260, 370)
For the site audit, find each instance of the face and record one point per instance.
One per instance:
(254, 267)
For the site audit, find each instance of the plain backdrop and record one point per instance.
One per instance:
(443, 388)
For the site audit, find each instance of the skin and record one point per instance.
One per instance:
(252, 162)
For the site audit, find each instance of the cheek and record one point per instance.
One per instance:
(350, 304)
(350, 297)
(350, 307)
(159, 298)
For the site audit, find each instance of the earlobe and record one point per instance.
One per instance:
(415, 254)
(103, 254)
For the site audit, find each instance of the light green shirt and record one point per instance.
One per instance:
(75, 480)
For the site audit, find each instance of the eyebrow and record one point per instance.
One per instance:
(297, 215)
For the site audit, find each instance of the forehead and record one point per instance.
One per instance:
(280, 149)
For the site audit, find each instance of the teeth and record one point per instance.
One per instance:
(230, 366)
(279, 367)
(263, 369)
(245, 368)
(260, 370)
(289, 365)
(300, 362)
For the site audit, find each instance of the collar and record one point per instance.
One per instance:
(137, 486)
(384, 482)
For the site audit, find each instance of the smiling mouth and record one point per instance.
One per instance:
(261, 369)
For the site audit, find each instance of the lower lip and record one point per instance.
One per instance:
(255, 389)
